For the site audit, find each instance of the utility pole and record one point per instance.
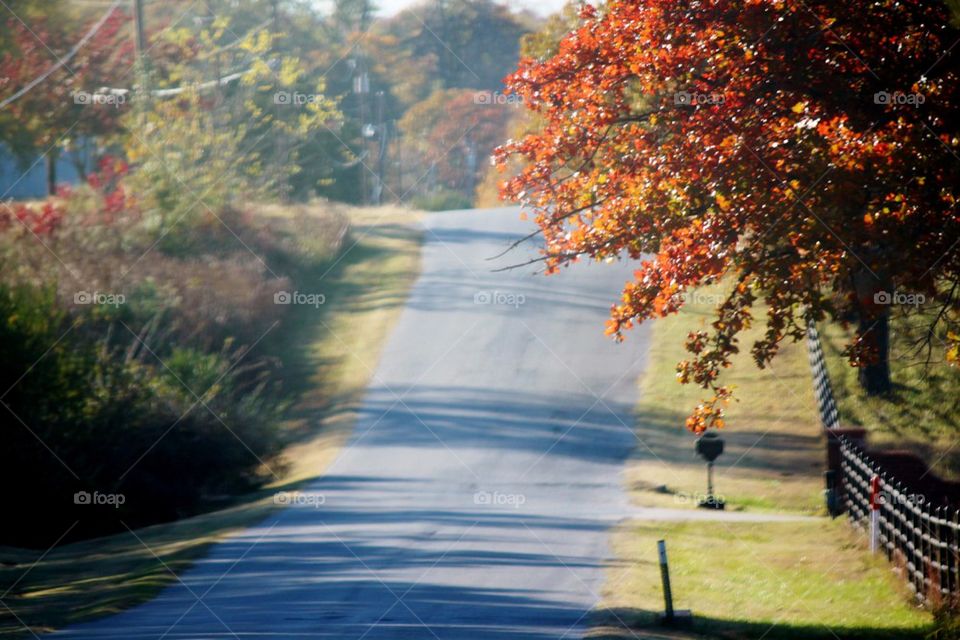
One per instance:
(471, 162)
(384, 132)
(140, 43)
(138, 24)
(212, 16)
(361, 86)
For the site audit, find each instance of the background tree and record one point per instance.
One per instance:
(806, 155)
(465, 44)
(49, 117)
(453, 133)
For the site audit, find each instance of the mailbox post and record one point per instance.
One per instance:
(709, 447)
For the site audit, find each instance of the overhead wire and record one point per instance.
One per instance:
(62, 61)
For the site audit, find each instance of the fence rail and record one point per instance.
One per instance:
(923, 540)
(822, 391)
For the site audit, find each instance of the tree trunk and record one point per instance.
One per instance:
(875, 377)
(874, 292)
(51, 160)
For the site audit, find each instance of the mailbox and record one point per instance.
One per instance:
(709, 446)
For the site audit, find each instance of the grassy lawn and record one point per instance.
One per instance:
(922, 414)
(337, 348)
(813, 579)
(773, 456)
(805, 580)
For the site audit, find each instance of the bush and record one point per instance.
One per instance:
(157, 397)
(90, 417)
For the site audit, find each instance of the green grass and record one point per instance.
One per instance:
(812, 579)
(774, 451)
(808, 581)
(922, 414)
(337, 346)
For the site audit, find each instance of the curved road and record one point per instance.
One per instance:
(476, 494)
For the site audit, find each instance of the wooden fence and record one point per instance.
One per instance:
(922, 539)
(919, 525)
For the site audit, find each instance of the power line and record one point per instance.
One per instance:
(62, 61)
(159, 93)
(174, 91)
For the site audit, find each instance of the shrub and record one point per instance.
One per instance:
(157, 398)
(88, 416)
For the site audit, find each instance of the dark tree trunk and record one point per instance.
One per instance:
(51, 161)
(874, 293)
(875, 377)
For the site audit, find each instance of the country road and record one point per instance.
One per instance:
(475, 496)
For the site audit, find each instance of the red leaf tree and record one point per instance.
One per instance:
(804, 153)
(64, 107)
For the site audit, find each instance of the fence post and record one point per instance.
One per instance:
(919, 554)
(952, 551)
(885, 511)
(941, 575)
(665, 578)
(874, 512)
(927, 550)
(901, 528)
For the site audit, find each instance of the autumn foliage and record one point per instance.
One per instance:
(804, 154)
(50, 114)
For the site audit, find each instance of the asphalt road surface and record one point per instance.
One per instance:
(475, 497)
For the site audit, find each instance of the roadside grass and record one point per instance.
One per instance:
(813, 579)
(773, 454)
(804, 580)
(921, 414)
(333, 351)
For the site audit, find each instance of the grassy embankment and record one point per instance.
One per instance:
(808, 579)
(330, 352)
(922, 414)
